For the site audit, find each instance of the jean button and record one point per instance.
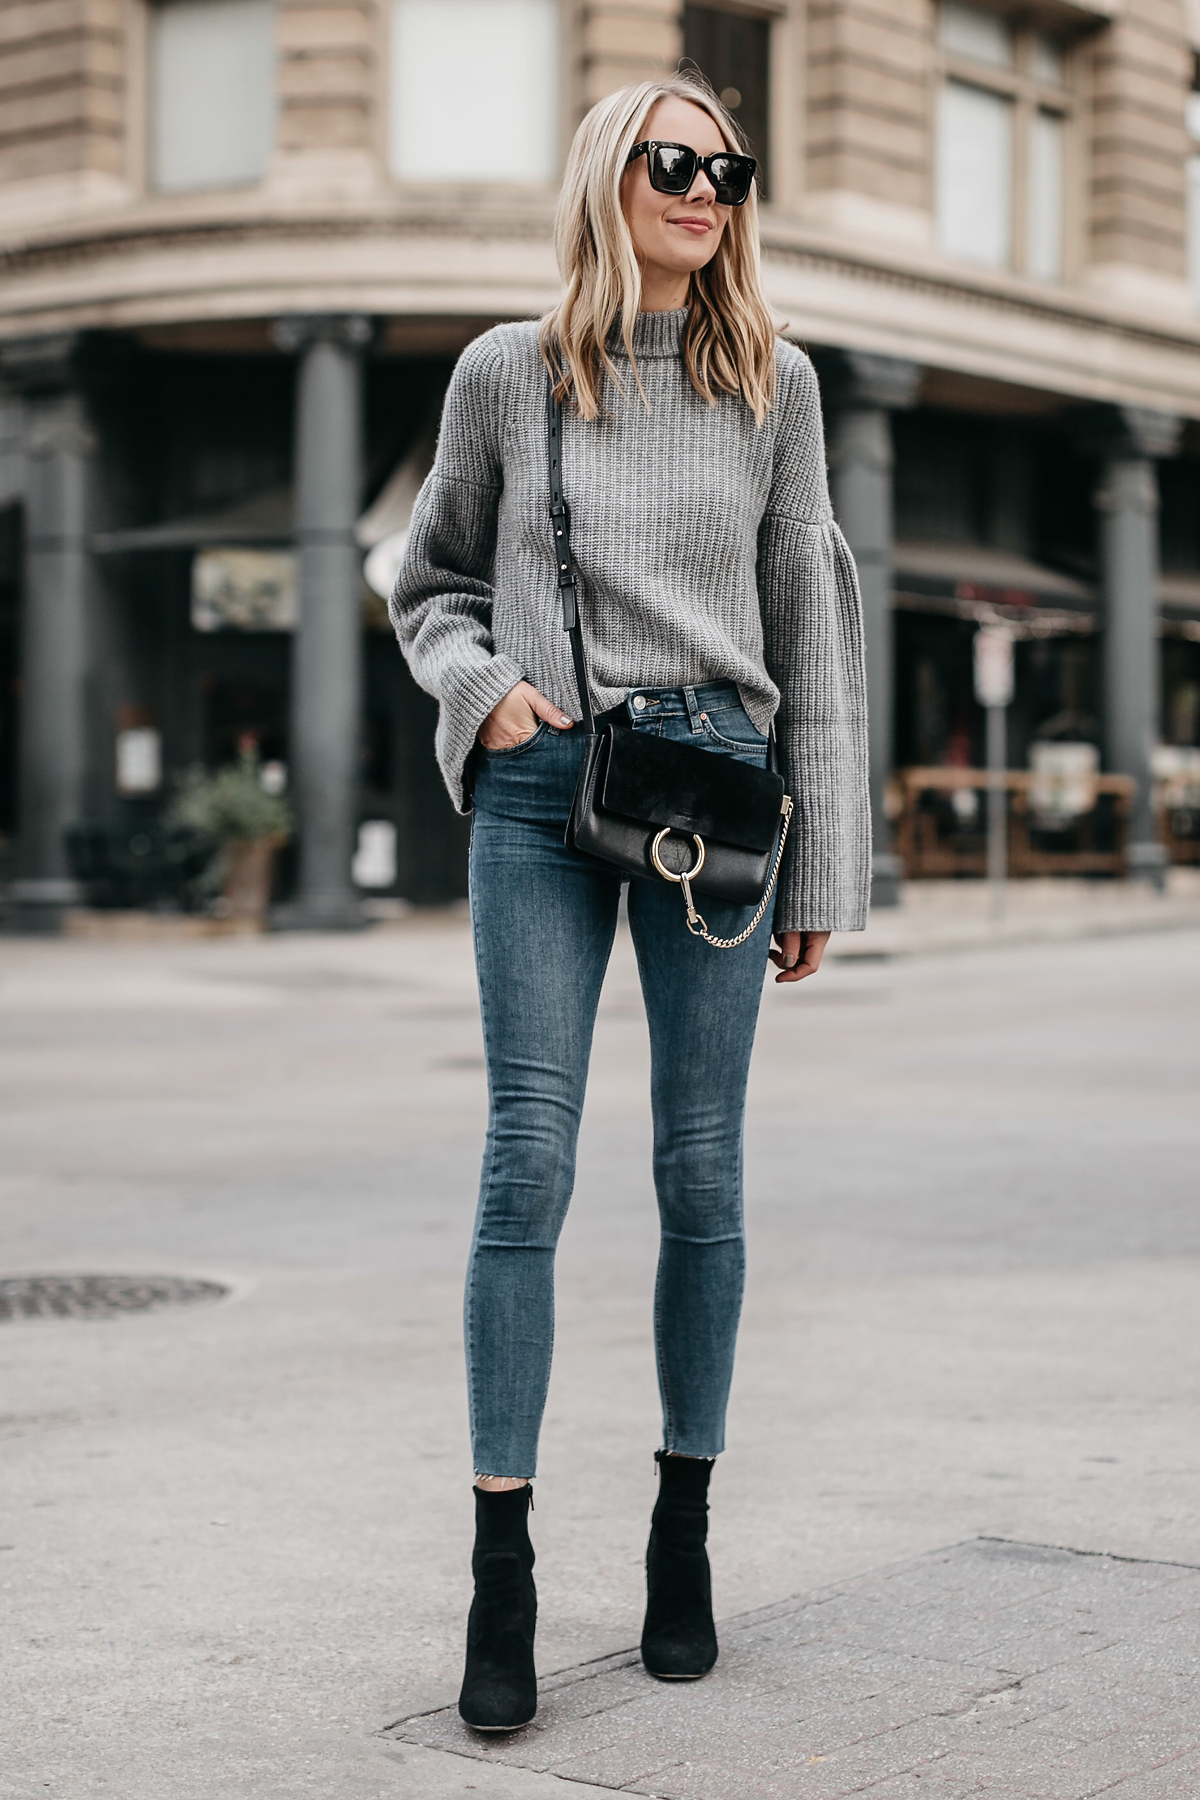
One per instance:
(639, 703)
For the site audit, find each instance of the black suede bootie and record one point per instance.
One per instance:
(679, 1639)
(499, 1690)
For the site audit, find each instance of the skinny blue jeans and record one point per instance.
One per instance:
(544, 918)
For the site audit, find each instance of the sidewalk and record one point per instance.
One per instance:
(956, 915)
(992, 1668)
(235, 1535)
(933, 916)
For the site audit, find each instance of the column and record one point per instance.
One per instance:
(864, 390)
(60, 466)
(327, 654)
(1129, 440)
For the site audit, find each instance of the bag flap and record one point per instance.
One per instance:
(660, 782)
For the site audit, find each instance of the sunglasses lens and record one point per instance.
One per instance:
(672, 168)
(731, 177)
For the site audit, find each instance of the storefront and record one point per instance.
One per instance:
(191, 573)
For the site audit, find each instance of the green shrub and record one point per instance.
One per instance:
(231, 803)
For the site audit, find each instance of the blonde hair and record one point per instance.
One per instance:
(729, 339)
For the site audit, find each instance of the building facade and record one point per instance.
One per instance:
(242, 241)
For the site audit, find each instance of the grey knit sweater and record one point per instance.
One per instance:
(706, 550)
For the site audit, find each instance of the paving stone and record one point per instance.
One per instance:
(1096, 1715)
(695, 1781)
(1112, 1759)
(997, 1668)
(952, 1779)
(1178, 1779)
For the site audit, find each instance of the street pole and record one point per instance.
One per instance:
(997, 811)
(994, 692)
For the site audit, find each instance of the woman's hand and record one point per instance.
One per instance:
(799, 953)
(516, 718)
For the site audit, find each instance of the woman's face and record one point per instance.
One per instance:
(674, 234)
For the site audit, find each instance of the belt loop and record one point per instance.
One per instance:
(689, 695)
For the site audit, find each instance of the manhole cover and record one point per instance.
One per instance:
(98, 1296)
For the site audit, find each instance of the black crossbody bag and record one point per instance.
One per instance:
(651, 806)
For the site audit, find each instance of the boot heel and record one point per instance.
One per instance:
(499, 1689)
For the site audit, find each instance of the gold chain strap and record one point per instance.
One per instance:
(695, 922)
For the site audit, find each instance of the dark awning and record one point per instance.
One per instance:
(977, 571)
(264, 520)
(267, 519)
(983, 585)
(979, 584)
(1179, 596)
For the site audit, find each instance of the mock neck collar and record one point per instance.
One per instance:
(654, 334)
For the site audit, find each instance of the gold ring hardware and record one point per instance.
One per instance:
(669, 874)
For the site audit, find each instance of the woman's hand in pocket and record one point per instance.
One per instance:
(516, 718)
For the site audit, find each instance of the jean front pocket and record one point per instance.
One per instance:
(733, 729)
(518, 749)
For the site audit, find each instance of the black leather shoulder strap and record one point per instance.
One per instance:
(560, 525)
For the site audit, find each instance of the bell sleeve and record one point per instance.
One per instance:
(813, 645)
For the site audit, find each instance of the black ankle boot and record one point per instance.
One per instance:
(499, 1690)
(679, 1640)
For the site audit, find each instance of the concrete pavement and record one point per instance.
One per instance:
(990, 1668)
(237, 1534)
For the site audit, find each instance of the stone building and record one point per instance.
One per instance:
(243, 240)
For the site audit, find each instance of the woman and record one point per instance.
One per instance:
(718, 598)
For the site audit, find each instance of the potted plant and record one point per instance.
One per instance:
(246, 820)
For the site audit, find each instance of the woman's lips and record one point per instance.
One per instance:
(699, 226)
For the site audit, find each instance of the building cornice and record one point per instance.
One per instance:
(1060, 341)
(466, 255)
(516, 211)
(804, 247)
(73, 244)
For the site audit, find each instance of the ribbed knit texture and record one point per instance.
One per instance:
(706, 550)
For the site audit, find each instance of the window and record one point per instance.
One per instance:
(1001, 163)
(212, 98)
(1048, 59)
(733, 49)
(1044, 205)
(1193, 184)
(984, 37)
(975, 174)
(474, 90)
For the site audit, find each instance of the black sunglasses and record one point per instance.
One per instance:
(673, 168)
